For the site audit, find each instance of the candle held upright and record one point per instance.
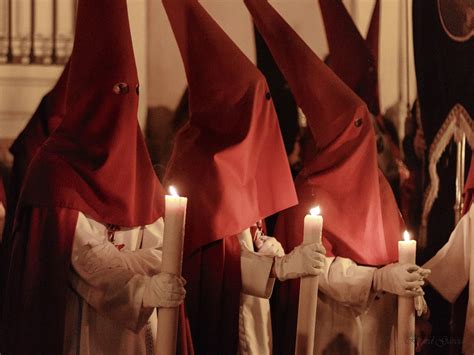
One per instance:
(313, 226)
(173, 238)
(406, 305)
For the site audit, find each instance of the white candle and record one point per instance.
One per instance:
(308, 301)
(406, 305)
(173, 237)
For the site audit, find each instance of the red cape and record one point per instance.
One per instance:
(37, 281)
(95, 162)
(229, 160)
(361, 219)
(41, 257)
(213, 296)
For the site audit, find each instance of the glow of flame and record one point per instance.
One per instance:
(406, 236)
(173, 191)
(316, 211)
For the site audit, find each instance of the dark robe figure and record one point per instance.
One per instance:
(356, 61)
(361, 219)
(445, 76)
(229, 160)
(47, 117)
(94, 165)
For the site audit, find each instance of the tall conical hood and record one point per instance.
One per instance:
(372, 38)
(343, 176)
(100, 164)
(317, 90)
(229, 160)
(350, 56)
(283, 99)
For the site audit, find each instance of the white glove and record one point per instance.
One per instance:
(400, 279)
(304, 260)
(164, 290)
(269, 246)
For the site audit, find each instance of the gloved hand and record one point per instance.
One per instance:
(164, 290)
(269, 246)
(400, 279)
(304, 260)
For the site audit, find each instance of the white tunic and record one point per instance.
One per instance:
(452, 269)
(351, 318)
(104, 312)
(255, 327)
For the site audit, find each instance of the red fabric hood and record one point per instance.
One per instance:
(97, 161)
(343, 177)
(229, 159)
(352, 58)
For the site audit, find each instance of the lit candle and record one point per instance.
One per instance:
(173, 237)
(313, 226)
(406, 305)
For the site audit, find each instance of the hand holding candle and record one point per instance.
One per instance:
(406, 306)
(175, 214)
(313, 226)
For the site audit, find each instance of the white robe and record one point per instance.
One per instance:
(255, 328)
(351, 318)
(104, 312)
(452, 269)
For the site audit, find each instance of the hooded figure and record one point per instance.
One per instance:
(230, 161)
(47, 117)
(361, 221)
(453, 267)
(84, 273)
(355, 61)
(44, 121)
(352, 58)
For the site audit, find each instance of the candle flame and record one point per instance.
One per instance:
(316, 211)
(406, 236)
(173, 191)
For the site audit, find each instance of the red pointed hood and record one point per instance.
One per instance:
(96, 161)
(229, 159)
(469, 188)
(372, 38)
(343, 177)
(351, 58)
